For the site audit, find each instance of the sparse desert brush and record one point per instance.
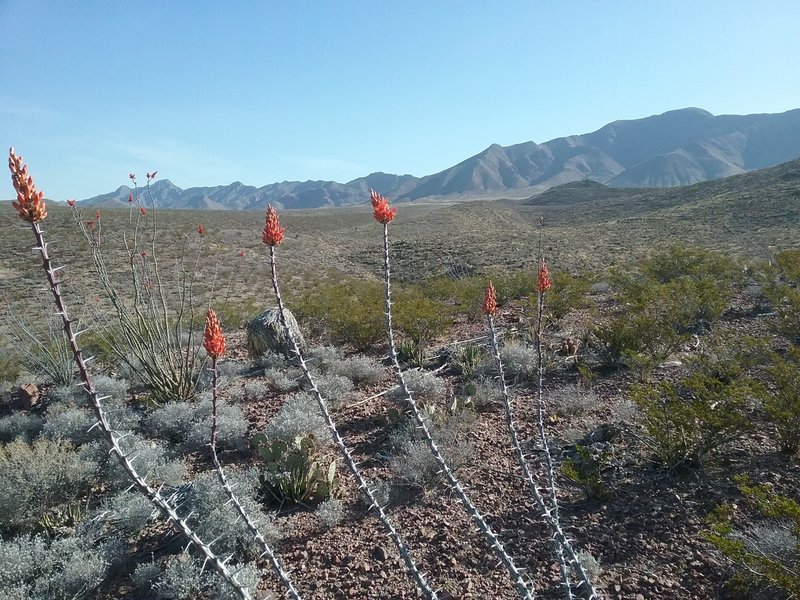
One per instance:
(687, 419)
(361, 370)
(763, 545)
(782, 399)
(40, 476)
(66, 568)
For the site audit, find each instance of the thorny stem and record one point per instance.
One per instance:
(268, 552)
(113, 440)
(419, 577)
(562, 545)
(480, 522)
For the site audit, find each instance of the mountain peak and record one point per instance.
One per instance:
(678, 147)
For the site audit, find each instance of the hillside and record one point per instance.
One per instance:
(677, 148)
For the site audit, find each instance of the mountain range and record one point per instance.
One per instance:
(677, 148)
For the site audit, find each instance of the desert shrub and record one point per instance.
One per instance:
(412, 462)
(70, 423)
(464, 294)
(150, 458)
(232, 426)
(283, 381)
(330, 512)
(676, 262)
(585, 468)
(37, 477)
(216, 518)
(171, 422)
(782, 401)
(783, 292)
(663, 306)
(519, 361)
(256, 390)
(424, 385)
(10, 367)
(298, 416)
(20, 425)
(71, 568)
(514, 285)
(571, 400)
(418, 318)
(638, 339)
(349, 312)
(686, 420)
(296, 471)
(322, 357)
(334, 388)
(786, 302)
(182, 579)
(483, 393)
(130, 511)
(361, 370)
(189, 426)
(788, 263)
(145, 575)
(765, 552)
(117, 389)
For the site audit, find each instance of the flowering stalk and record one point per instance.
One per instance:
(562, 545)
(33, 212)
(214, 343)
(384, 215)
(272, 236)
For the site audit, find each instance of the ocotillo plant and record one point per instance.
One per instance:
(384, 214)
(30, 207)
(151, 336)
(214, 343)
(272, 236)
(565, 554)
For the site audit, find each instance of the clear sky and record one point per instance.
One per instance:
(208, 93)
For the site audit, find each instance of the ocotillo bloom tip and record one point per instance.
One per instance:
(273, 232)
(489, 306)
(383, 213)
(213, 340)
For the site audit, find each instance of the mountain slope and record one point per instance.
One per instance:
(677, 148)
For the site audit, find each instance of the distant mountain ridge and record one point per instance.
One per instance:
(679, 147)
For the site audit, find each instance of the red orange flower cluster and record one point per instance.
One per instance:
(142, 210)
(70, 203)
(30, 202)
(273, 232)
(213, 340)
(201, 230)
(543, 283)
(489, 306)
(97, 214)
(130, 198)
(152, 175)
(382, 211)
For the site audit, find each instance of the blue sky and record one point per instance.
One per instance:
(213, 92)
